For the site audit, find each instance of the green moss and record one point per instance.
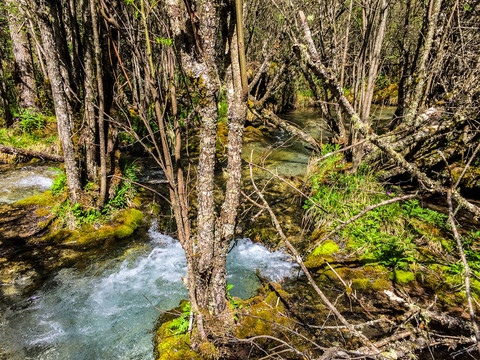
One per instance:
(401, 276)
(45, 199)
(170, 347)
(123, 231)
(361, 284)
(328, 247)
(59, 236)
(264, 311)
(381, 284)
(321, 253)
(125, 223)
(133, 218)
(155, 209)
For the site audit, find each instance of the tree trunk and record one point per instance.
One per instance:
(207, 259)
(24, 73)
(62, 108)
(101, 105)
(422, 68)
(89, 90)
(374, 64)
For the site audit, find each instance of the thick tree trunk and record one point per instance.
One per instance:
(62, 108)
(24, 72)
(207, 259)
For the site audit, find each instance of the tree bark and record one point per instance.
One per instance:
(59, 91)
(422, 68)
(101, 105)
(90, 95)
(24, 73)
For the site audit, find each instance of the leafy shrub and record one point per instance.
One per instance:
(179, 325)
(30, 119)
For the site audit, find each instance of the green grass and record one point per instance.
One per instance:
(387, 235)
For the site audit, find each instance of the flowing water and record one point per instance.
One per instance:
(102, 312)
(20, 183)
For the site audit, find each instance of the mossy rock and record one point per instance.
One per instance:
(381, 284)
(173, 347)
(262, 312)
(401, 276)
(361, 284)
(327, 248)
(125, 223)
(321, 253)
(45, 199)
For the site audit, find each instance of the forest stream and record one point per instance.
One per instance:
(104, 307)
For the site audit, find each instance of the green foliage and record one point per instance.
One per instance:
(179, 325)
(37, 140)
(89, 216)
(232, 302)
(471, 248)
(386, 234)
(413, 208)
(30, 119)
(59, 183)
(126, 191)
(222, 110)
(78, 214)
(163, 41)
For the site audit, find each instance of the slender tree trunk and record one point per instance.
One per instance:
(101, 104)
(7, 113)
(374, 64)
(422, 68)
(345, 46)
(90, 95)
(24, 71)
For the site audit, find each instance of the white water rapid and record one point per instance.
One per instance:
(102, 312)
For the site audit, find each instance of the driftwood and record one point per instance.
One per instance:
(30, 153)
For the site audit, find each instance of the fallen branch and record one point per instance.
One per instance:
(451, 220)
(30, 153)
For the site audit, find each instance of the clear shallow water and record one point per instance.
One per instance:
(102, 313)
(20, 183)
(290, 157)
